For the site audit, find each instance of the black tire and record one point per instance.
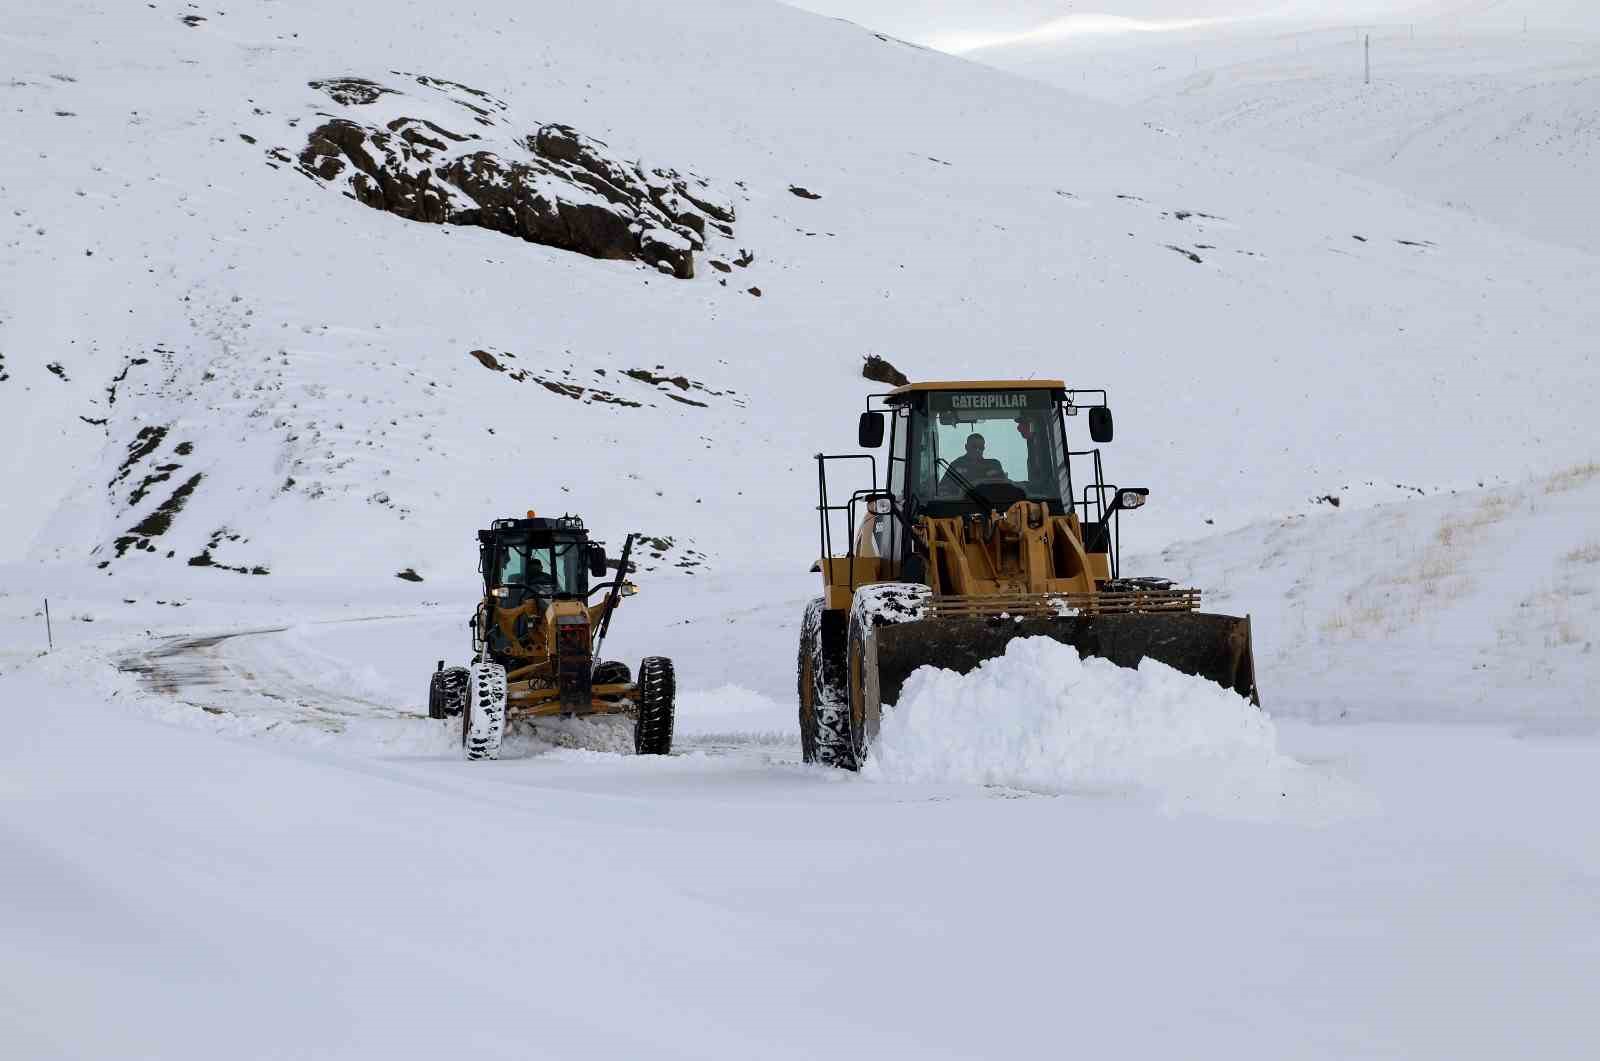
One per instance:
(825, 734)
(447, 692)
(858, 717)
(611, 672)
(436, 694)
(483, 722)
(805, 668)
(658, 695)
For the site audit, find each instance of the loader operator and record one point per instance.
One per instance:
(972, 466)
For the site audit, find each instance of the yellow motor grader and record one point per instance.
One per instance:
(536, 641)
(979, 533)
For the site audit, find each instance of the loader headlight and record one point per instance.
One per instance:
(882, 507)
(1132, 498)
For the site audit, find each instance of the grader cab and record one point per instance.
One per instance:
(536, 641)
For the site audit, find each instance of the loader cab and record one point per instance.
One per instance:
(962, 449)
(966, 448)
(547, 559)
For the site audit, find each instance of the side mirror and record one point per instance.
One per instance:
(597, 561)
(1100, 423)
(870, 431)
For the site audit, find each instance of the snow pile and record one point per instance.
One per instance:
(1417, 612)
(1043, 719)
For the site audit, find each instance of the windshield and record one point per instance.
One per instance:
(552, 569)
(967, 438)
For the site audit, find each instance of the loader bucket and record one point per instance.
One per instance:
(1215, 647)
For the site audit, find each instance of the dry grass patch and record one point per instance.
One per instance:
(1492, 509)
(1550, 612)
(1361, 621)
(1587, 554)
(1436, 574)
(1565, 633)
(1572, 478)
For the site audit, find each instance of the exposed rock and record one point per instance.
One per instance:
(156, 523)
(205, 558)
(409, 574)
(587, 395)
(644, 375)
(556, 187)
(803, 193)
(143, 444)
(878, 370)
(351, 91)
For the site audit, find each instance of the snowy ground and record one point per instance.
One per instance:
(268, 820)
(183, 896)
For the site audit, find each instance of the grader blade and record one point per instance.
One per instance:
(1215, 647)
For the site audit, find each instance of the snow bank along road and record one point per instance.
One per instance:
(342, 885)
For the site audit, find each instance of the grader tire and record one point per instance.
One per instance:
(657, 701)
(447, 692)
(612, 672)
(483, 723)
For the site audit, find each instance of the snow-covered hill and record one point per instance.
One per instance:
(1479, 607)
(1485, 108)
(290, 382)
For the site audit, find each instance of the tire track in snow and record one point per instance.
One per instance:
(249, 674)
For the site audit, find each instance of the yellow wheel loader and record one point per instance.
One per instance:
(986, 526)
(536, 641)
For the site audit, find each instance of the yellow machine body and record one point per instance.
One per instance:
(950, 559)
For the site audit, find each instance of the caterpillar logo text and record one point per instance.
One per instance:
(1014, 400)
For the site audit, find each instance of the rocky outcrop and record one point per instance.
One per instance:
(555, 186)
(879, 370)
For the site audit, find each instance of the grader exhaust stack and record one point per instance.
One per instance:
(978, 535)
